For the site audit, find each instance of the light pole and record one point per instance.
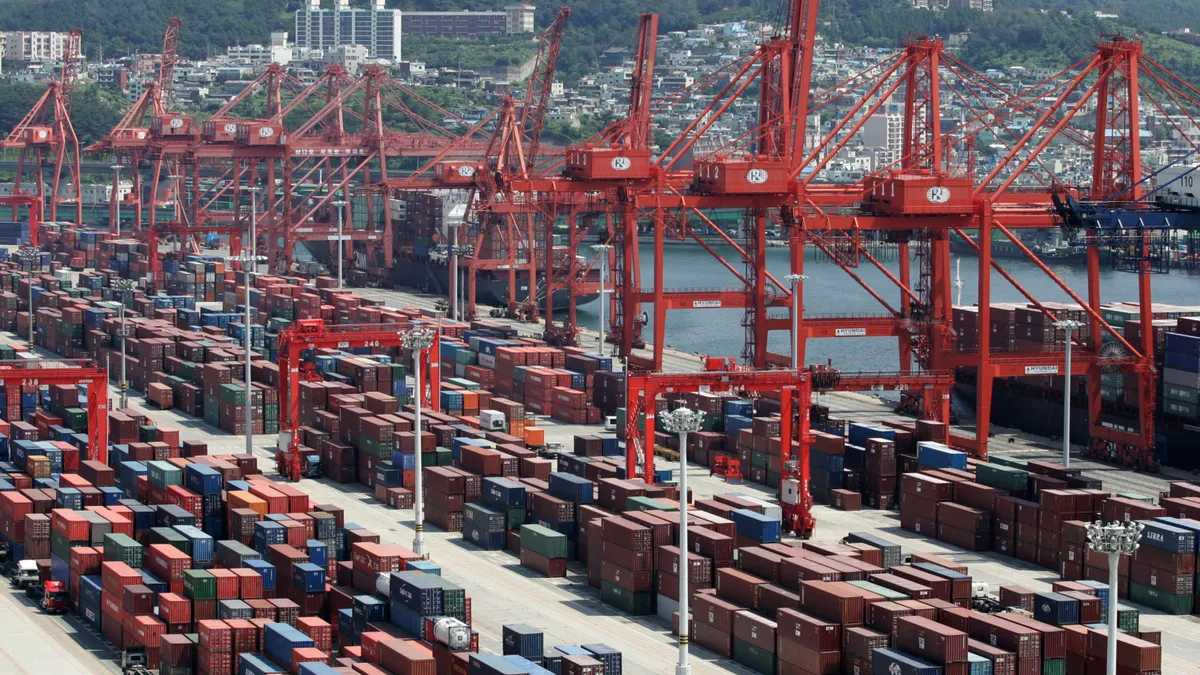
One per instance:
(340, 205)
(602, 251)
(683, 422)
(254, 230)
(1113, 540)
(454, 273)
(796, 280)
(460, 251)
(116, 167)
(29, 255)
(123, 286)
(417, 341)
(1070, 327)
(248, 261)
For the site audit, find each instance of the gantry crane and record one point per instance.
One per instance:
(46, 133)
(310, 334)
(19, 376)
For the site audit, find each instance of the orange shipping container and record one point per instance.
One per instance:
(240, 499)
(535, 436)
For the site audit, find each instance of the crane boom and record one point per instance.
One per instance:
(170, 56)
(70, 66)
(537, 92)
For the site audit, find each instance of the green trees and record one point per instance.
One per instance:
(137, 25)
(91, 114)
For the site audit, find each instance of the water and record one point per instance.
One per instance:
(718, 332)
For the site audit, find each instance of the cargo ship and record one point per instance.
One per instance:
(422, 222)
(1034, 404)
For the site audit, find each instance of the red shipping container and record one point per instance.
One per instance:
(174, 608)
(246, 636)
(931, 640)
(317, 629)
(148, 630)
(308, 655)
(70, 524)
(214, 635)
(167, 562)
(85, 560)
(116, 575)
(227, 583)
(249, 583)
(407, 657)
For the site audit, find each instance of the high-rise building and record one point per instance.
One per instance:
(514, 20)
(21, 45)
(373, 27)
(981, 5)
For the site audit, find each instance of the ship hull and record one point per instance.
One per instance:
(490, 288)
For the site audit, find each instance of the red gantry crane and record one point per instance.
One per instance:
(311, 334)
(46, 137)
(30, 376)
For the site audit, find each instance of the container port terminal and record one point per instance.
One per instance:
(336, 409)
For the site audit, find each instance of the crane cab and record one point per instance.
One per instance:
(594, 162)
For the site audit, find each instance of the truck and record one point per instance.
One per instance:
(54, 597)
(26, 574)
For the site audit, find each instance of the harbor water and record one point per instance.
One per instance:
(829, 290)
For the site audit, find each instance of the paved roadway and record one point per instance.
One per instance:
(567, 609)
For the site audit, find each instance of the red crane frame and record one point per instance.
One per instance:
(307, 334)
(21, 374)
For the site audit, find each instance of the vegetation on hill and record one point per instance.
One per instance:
(92, 113)
(128, 26)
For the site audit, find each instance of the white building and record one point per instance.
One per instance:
(351, 57)
(373, 27)
(277, 52)
(520, 18)
(34, 45)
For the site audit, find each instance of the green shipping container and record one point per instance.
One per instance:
(889, 594)
(163, 474)
(148, 433)
(232, 393)
(1054, 667)
(166, 535)
(444, 457)
(122, 548)
(758, 459)
(1010, 462)
(1129, 619)
(647, 504)
(199, 585)
(1158, 599)
(544, 541)
(514, 518)
(454, 598)
(753, 657)
(61, 546)
(376, 448)
(1002, 477)
(637, 604)
(75, 418)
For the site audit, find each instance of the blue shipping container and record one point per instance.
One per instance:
(572, 488)
(756, 526)
(493, 664)
(503, 493)
(611, 658)
(526, 665)
(895, 662)
(257, 664)
(1169, 537)
(279, 639)
(266, 569)
(308, 576)
(939, 456)
(1055, 609)
(522, 640)
(203, 480)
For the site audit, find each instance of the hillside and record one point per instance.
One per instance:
(1026, 32)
